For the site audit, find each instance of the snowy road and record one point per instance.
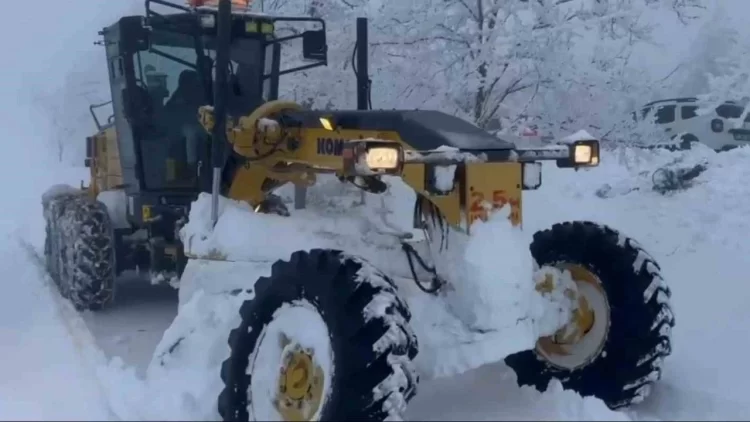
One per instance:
(57, 367)
(45, 372)
(49, 359)
(135, 324)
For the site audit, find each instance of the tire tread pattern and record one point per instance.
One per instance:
(641, 318)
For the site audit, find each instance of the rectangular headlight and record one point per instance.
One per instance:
(368, 157)
(582, 154)
(383, 158)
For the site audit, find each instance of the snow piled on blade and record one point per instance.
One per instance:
(243, 235)
(183, 379)
(489, 311)
(491, 300)
(493, 285)
(696, 233)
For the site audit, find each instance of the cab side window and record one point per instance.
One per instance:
(688, 112)
(665, 114)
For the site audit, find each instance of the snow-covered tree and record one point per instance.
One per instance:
(715, 40)
(600, 86)
(66, 111)
(732, 85)
(721, 67)
(559, 62)
(487, 56)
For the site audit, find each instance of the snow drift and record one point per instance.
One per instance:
(696, 234)
(505, 313)
(193, 348)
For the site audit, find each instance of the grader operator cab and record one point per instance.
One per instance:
(194, 95)
(153, 157)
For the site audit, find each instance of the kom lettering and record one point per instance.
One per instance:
(330, 146)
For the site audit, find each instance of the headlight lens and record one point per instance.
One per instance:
(382, 158)
(583, 154)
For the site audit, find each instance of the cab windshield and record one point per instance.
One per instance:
(173, 144)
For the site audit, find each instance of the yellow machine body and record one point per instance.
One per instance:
(103, 161)
(478, 186)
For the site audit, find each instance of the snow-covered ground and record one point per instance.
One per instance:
(55, 365)
(48, 357)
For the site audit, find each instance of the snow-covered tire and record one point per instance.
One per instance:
(371, 343)
(79, 249)
(640, 317)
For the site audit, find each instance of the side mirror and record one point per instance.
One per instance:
(314, 46)
(134, 35)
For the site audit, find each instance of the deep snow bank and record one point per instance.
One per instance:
(49, 365)
(45, 371)
(699, 236)
(494, 311)
(336, 218)
(695, 234)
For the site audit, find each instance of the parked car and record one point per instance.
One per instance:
(680, 119)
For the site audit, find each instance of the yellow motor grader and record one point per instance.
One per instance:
(196, 111)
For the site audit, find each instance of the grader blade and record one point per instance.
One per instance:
(243, 247)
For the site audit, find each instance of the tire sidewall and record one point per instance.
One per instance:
(623, 289)
(267, 305)
(635, 345)
(286, 289)
(373, 373)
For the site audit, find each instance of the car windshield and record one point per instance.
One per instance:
(731, 111)
(167, 77)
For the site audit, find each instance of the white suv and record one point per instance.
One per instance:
(680, 119)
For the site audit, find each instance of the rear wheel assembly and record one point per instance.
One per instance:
(79, 248)
(325, 337)
(621, 331)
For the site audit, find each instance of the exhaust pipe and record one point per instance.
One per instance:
(363, 74)
(219, 133)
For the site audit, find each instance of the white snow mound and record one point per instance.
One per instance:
(692, 233)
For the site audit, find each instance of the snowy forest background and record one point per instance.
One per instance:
(559, 65)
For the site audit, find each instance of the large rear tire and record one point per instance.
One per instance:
(622, 368)
(355, 333)
(79, 248)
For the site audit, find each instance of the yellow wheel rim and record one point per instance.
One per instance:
(291, 366)
(583, 338)
(300, 390)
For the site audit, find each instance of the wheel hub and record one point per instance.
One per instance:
(300, 385)
(583, 336)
